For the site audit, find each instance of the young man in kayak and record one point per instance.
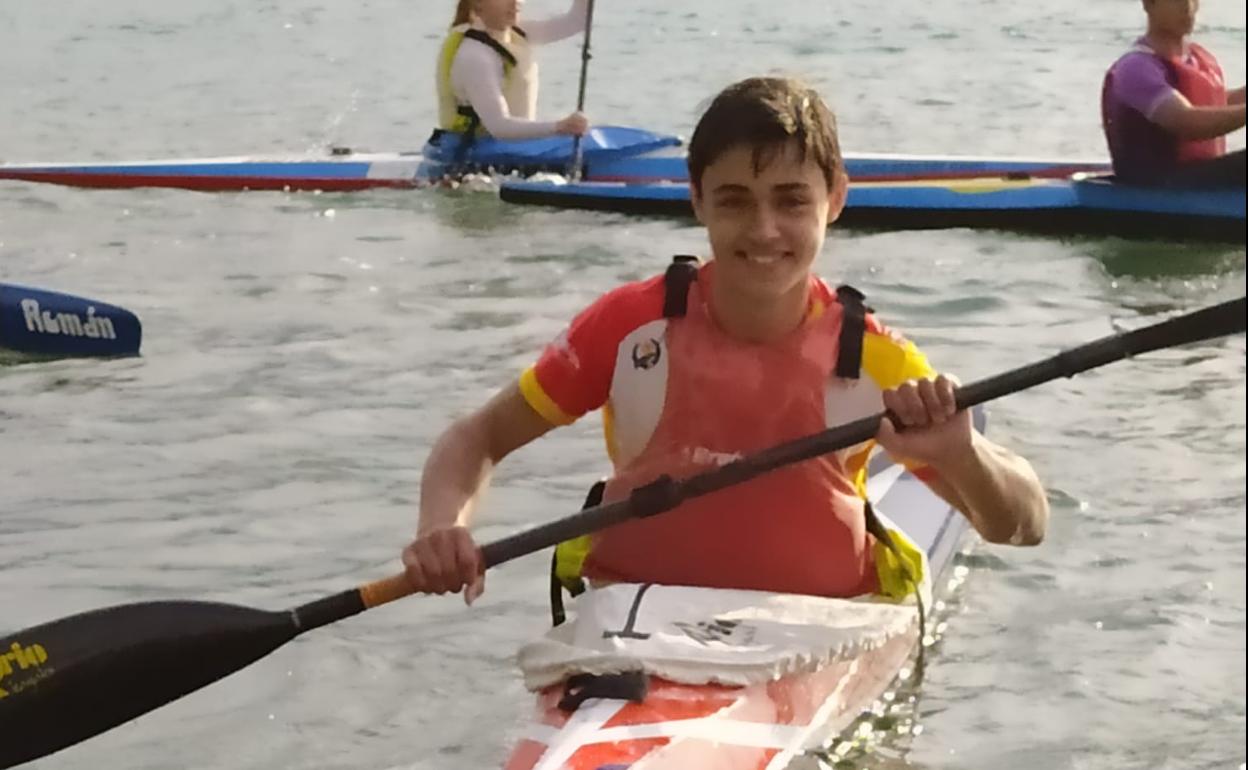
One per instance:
(487, 75)
(1165, 108)
(750, 351)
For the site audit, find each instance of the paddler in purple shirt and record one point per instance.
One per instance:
(1166, 110)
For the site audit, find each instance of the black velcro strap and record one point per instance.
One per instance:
(628, 685)
(676, 281)
(853, 327)
(558, 614)
(881, 533)
(474, 120)
(469, 137)
(484, 38)
(876, 528)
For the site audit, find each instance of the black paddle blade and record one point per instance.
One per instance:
(73, 678)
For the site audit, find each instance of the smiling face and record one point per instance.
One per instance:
(766, 178)
(1171, 17)
(766, 215)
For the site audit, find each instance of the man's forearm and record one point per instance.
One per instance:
(1209, 122)
(457, 470)
(998, 491)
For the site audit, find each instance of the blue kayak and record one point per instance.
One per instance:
(1073, 205)
(342, 169)
(444, 154)
(38, 322)
(866, 167)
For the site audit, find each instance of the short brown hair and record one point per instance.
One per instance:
(765, 114)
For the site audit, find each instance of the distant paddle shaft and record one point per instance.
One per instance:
(72, 678)
(577, 152)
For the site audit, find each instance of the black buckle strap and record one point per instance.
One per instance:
(627, 685)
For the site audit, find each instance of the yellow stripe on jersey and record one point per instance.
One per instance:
(542, 403)
(608, 431)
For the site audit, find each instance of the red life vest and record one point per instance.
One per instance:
(800, 529)
(1201, 81)
(1137, 143)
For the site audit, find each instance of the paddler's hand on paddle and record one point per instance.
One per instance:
(575, 124)
(445, 561)
(931, 428)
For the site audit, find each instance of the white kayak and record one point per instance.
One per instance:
(725, 679)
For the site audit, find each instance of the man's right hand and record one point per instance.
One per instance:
(575, 124)
(445, 561)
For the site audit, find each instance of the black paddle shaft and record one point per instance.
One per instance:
(577, 144)
(586, 55)
(665, 493)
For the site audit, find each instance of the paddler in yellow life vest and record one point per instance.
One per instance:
(747, 350)
(487, 76)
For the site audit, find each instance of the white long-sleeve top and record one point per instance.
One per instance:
(477, 76)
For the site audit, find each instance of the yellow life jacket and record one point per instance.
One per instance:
(899, 563)
(453, 116)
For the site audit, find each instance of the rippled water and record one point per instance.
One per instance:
(303, 351)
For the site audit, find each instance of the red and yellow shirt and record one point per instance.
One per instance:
(678, 395)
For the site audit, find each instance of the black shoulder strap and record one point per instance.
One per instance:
(680, 274)
(520, 32)
(484, 38)
(853, 327)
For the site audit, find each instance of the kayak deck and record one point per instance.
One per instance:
(761, 726)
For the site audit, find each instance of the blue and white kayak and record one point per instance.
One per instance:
(1077, 204)
(42, 323)
(344, 170)
(611, 154)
